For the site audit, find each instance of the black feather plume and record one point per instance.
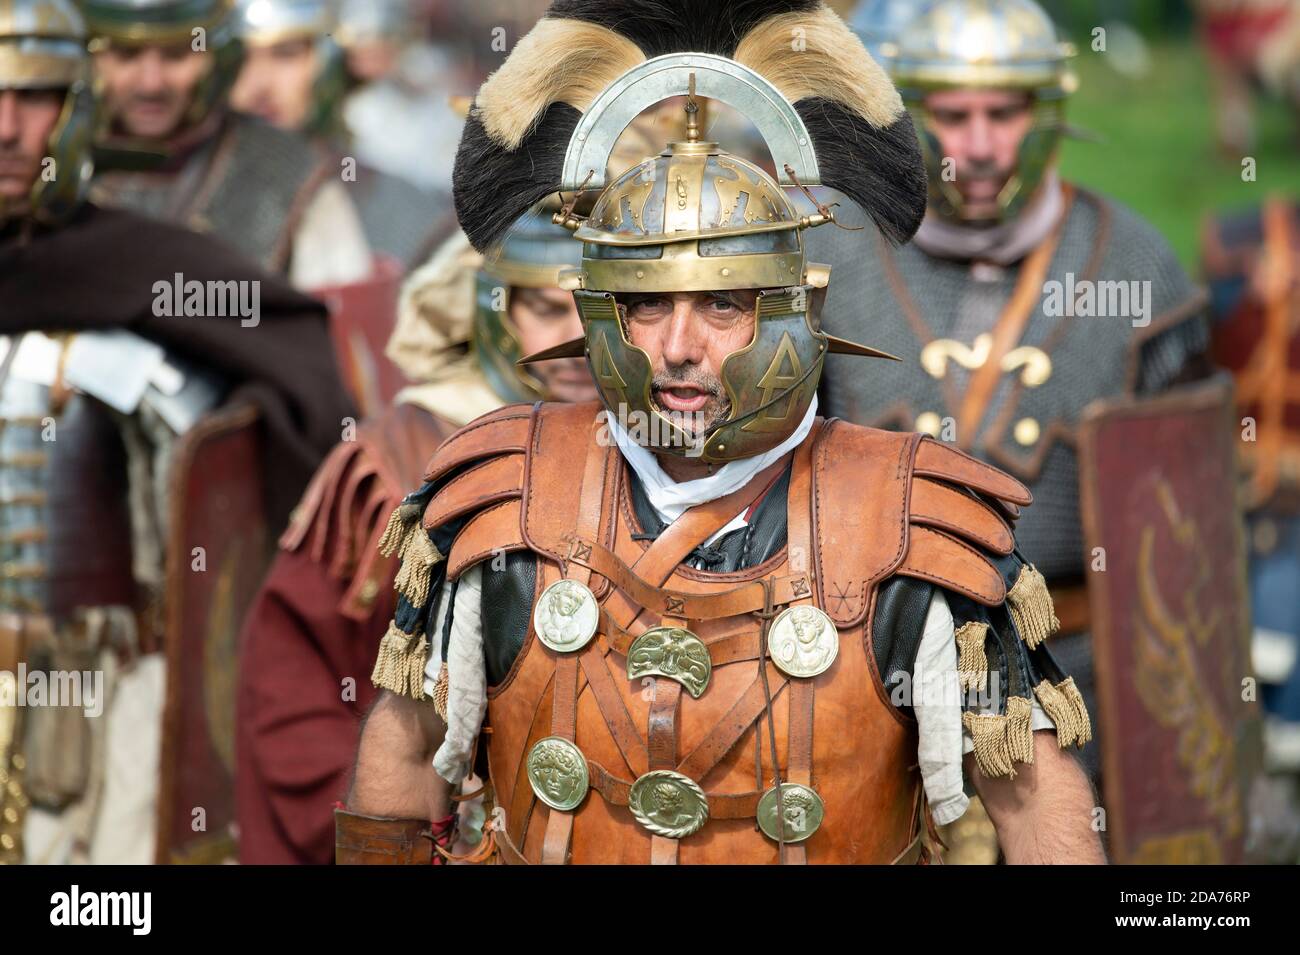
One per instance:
(673, 26)
(493, 187)
(880, 169)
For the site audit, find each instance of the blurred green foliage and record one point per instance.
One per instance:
(1159, 153)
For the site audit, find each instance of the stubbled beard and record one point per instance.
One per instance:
(716, 409)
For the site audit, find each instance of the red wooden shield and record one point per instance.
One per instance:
(217, 556)
(1171, 625)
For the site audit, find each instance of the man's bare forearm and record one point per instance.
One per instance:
(1044, 816)
(394, 774)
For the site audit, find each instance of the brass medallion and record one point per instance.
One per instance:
(674, 653)
(668, 803)
(804, 812)
(557, 771)
(803, 641)
(565, 617)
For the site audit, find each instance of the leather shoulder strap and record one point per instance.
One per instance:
(861, 479)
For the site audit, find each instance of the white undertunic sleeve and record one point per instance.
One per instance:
(937, 698)
(467, 679)
(936, 703)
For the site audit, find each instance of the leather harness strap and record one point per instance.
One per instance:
(799, 731)
(662, 730)
(564, 704)
(728, 730)
(1010, 327)
(564, 709)
(746, 598)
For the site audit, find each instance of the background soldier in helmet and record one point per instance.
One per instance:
(171, 148)
(109, 404)
(987, 306)
(295, 76)
(737, 510)
(328, 597)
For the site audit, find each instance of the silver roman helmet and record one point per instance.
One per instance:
(43, 47)
(986, 44)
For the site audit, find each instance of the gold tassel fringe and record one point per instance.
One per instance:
(399, 666)
(418, 558)
(972, 664)
(1084, 724)
(1020, 734)
(989, 734)
(394, 533)
(1031, 607)
(440, 692)
(1064, 704)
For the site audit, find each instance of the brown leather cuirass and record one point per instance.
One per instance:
(862, 505)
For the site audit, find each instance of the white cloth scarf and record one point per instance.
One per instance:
(671, 499)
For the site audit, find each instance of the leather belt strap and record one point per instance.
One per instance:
(564, 702)
(728, 648)
(730, 603)
(615, 791)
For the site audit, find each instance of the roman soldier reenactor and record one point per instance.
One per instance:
(311, 633)
(990, 362)
(697, 622)
(145, 451)
(169, 146)
(295, 76)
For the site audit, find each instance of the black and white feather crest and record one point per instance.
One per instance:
(512, 149)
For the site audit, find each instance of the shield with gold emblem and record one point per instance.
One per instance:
(1170, 625)
(217, 554)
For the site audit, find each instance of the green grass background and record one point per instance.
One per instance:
(1159, 154)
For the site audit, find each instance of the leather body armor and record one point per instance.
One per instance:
(864, 506)
(209, 190)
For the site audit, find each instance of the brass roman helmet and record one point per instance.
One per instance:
(532, 255)
(268, 22)
(207, 25)
(43, 46)
(986, 44)
(694, 218)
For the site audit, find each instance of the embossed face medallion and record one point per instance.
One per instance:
(804, 812)
(557, 772)
(668, 803)
(804, 641)
(671, 652)
(565, 617)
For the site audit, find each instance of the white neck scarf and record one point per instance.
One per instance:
(671, 499)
